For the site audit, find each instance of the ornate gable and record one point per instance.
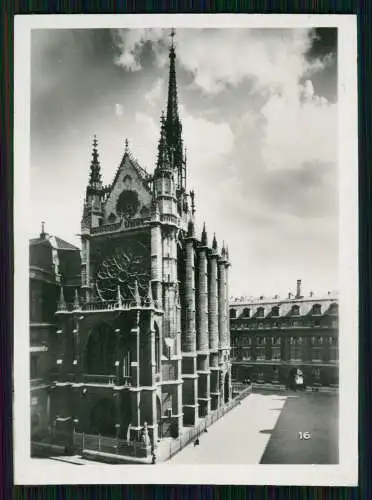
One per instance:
(130, 195)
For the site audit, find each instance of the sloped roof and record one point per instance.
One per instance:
(129, 158)
(53, 241)
(305, 306)
(51, 254)
(64, 245)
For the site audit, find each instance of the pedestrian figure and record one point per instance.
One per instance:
(196, 442)
(153, 458)
(205, 430)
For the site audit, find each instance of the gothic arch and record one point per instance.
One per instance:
(99, 353)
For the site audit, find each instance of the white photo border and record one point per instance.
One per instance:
(30, 471)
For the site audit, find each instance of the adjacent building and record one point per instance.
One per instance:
(272, 338)
(53, 263)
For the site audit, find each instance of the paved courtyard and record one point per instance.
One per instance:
(312, 413)
(265, 429)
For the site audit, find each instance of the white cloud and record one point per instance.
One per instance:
(273, 59)
(206, 141)
(300, 128)
(229, 56)
(154, 95)
(119, 110)
(130, 42)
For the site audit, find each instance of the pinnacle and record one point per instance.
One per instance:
(191, 229)
(204, 238)
(214, 243)
(95, 167)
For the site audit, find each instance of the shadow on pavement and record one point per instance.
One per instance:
(313, 413)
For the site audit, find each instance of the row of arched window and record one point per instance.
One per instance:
(285, 323)
(278, 340)
(275, 311)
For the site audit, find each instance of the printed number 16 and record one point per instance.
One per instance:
(304, 435)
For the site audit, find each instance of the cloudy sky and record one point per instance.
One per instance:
(259, 114)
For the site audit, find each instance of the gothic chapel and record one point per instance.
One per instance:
(145, 346)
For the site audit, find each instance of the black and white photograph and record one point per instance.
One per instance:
(186, 284)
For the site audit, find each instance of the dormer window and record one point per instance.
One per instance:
(260, 312)
(246, 312)
(333, 309)
(232, 313)
(275, 311)
(317, 309)
(295, 311)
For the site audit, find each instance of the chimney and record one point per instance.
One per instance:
(43, 233)
(289, 295)
(298, 292)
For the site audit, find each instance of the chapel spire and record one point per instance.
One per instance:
(173, 127)
(163, 153)
(172, 105)
(95, 180)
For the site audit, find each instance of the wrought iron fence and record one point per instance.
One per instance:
(99, 379)
(113, 446)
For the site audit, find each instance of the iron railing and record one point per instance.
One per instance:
(111, 445)
(110, 305)
(123, 224)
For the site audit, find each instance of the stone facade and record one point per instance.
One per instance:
(52, 262)
(143, 342)
(272, 338)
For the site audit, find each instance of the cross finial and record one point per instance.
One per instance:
(172, 35)
(126, 145)
(95, 141)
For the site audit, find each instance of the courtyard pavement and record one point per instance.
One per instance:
(236, 438)
(314, 413)
(265, 429)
